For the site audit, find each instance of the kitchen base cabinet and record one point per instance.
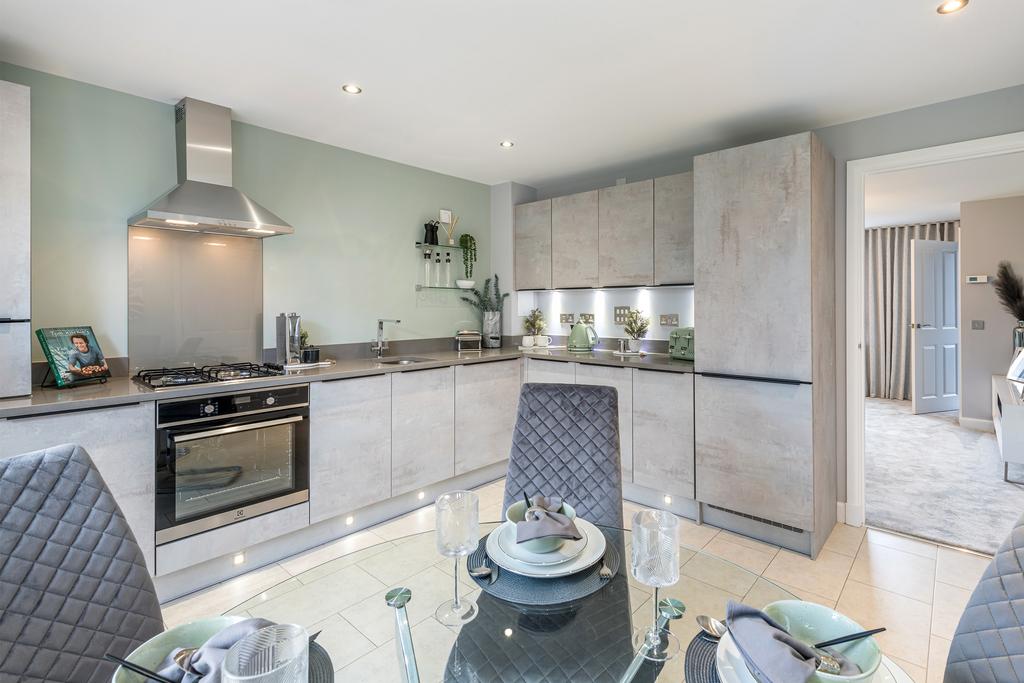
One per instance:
(550, 371)
(422, 428)
(486, 399)
(754, 449)
(120, 441)
(622, 380)
(663, 432)
(349, 445)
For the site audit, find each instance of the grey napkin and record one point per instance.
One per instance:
(543, 520)
(771, 654)
(204, 663)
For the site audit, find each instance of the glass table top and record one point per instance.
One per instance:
(586, 640)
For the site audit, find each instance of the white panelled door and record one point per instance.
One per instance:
(935, 326)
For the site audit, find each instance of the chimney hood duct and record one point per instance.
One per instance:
(204, 200)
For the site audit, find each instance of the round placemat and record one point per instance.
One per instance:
(320, 668)
(525, 590)
(699, 665)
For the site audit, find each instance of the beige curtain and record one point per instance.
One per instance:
(887, 309)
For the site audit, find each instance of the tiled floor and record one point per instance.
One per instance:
(916, 589)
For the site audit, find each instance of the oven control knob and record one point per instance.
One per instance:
(209, 409)
(271, 400)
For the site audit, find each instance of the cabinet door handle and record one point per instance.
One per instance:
(751, 378)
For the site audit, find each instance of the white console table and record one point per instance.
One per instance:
(1008, 418)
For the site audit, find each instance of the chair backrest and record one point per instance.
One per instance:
(566, 443)
(989, 640)
(73, 581)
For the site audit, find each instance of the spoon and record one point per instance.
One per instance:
(711, 626)
(481, 572)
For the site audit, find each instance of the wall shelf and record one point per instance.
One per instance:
(449, 289)
(421, 245)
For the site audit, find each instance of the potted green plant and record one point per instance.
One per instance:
(533, 325)
(468, 244)
(489, 304)
(636, 327)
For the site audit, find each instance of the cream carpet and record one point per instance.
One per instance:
(927, 476)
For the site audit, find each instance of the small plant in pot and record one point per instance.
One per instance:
(490, 305)
(636, 327)
(468, 244)
(533, 325)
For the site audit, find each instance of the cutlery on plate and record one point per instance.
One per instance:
(606, 572)
(135, 668)
(483, 571)
(527, 499)
(849, 637)
(495, 572)
(711, 626)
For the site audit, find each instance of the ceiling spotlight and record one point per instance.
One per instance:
(507, 144)
(351, 89)
(951, 6)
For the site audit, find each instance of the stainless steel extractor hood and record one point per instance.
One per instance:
(204, 200)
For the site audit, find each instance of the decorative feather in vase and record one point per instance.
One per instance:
(1010, 289)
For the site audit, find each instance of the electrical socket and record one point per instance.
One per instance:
(567, 318)
(669, 319)
(977, 324)
(587, 318)
(620, 313)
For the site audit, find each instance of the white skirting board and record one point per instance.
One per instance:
(977, 425)
(840, 512)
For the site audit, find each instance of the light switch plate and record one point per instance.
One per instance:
(669, 319)
(977, 324)
(620, 313)
(567, 318)
(587, 318)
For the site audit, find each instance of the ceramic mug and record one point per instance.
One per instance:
(542, 340)
(527, 342)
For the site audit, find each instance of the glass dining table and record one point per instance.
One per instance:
(588, 639)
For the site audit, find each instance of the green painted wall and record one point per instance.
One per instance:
(100, 155)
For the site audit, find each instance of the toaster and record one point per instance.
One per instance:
(680, 343)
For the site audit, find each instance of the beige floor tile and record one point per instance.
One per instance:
(224, 596)
(297, 564)
(375, 620)
(432, 641)
(751, 555)
(947, 607)
(699, 598)
(808, 596)
(910, 545)
(845, 540)
(895, 570)
(320, 599)
(917, 673)
(959, 568)
(938, 651)
(416, 522)
(824, 576)
(695, 535)
(343, 641)
(404, 560)
(322, 570)
(764, 592)
(719, 573)
(273, 592)
(906, 620)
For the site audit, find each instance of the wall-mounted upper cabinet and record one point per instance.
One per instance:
(574, 241)
(626, 234)
(532, 234)
(673, 229)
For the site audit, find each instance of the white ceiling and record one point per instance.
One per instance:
(578, 84)
(932, 193)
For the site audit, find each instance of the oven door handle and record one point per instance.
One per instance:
(193, 436)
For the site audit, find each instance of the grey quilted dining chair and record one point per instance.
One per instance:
(566, 443)
(73, 581)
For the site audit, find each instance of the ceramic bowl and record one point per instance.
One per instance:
(517, 512)
(813, 623)
(153, 652)
(465, 284)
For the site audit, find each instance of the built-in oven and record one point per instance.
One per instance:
(224, 458)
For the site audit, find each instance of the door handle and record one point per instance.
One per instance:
(915, 326)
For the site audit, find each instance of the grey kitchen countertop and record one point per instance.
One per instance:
(123, 391)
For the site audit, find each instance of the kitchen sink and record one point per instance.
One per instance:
(403, 360)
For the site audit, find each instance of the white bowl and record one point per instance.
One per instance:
(465, 284)
(152, 653)
(517, 512)
(813, 623)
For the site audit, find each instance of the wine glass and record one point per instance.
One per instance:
(458, 534)
(655, 562)
(274, 654)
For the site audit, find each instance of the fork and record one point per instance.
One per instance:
(606, 572)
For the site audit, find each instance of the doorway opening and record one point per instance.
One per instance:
(922, 317)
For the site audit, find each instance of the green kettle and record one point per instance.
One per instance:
(582, 337)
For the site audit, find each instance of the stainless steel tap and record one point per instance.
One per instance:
(380, 345)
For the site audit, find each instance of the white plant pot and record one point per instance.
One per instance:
(527, 341)
(465, 284)
(635, 345)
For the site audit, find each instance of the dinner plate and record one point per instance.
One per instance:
(568, 550)
(591, 555)
(732, 669)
